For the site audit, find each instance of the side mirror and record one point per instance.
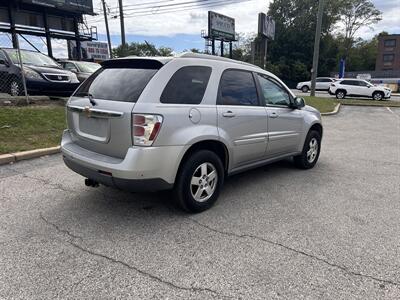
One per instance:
(298, 102)
(4, 62)
(74, 70)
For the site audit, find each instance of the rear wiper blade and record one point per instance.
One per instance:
(89, 95)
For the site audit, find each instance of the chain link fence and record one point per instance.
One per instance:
(12, 79)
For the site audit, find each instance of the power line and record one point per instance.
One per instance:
(215, 3)
(191, 7)
(170, 5)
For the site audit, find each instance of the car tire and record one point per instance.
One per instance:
(15, 88)
(305, 89)
(195, 190)
(378, 96)
(310, 153)
(340, 94)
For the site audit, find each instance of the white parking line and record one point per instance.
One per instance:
(388, 108)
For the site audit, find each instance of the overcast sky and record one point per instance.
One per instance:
(181, 30)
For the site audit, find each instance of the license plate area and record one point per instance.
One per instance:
(97, 129)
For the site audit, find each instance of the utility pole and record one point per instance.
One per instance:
(121, 17)
(107, 30)
(314, 70)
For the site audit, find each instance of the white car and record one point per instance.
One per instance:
(359, 88)
(321, 83)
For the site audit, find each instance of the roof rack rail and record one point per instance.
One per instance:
(213, 57)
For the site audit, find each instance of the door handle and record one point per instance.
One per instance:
(273, 115)
(228, 114)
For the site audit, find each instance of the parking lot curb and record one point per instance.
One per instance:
(18, 156)
(334, 112)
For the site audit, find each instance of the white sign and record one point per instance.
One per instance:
(90, 50)
(364, 76)
(221, 27)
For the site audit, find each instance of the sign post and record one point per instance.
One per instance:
(266, 31)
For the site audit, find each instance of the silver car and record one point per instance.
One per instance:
(184, 123)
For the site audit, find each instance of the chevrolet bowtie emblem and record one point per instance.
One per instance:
(87, 111)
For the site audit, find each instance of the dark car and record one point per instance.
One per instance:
(43, 75)
(82, 69)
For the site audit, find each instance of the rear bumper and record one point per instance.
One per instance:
(134, 185)
(142, 168)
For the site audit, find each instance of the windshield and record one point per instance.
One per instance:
(88, 67)
(30, 58)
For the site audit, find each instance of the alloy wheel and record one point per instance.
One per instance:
(340, 95)
(204, 182)
(378, 96)
(14, 88)
(312, 150)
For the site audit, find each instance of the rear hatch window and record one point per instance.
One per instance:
(118, 81)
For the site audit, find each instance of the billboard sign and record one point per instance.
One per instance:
(266, 26)
(74, 6)
(97, 51)
(221, 27)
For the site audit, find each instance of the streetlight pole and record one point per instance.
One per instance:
(121, 17)
(107, 29)
(314, 70)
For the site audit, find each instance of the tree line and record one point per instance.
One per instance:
(290, 54)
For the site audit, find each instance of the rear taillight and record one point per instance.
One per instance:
(145, 128)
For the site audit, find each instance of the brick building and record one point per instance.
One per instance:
(388, 58)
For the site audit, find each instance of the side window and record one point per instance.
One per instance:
(347, 82)
(69, 66)
(238, 88)
(362, 83)
(2, 56)
(274, 93)
(187, 85)
(319, 80)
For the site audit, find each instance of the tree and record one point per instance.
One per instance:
(355, 15)
(291, 51)
(141, 49)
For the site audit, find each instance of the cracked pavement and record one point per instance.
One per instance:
(275, 233)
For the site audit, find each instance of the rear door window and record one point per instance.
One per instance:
(187, 85)
(116, 84)
(238, 87)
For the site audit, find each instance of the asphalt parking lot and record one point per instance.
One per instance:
(276, 232)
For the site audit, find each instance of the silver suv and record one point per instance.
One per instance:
(184, 123)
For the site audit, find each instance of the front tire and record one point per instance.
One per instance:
(311, 150)
(199, 181)
(377, 96)
(15, 88)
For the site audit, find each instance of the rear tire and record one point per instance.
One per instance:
(340, 94)
(378, 96)
(311, 150)
(199, 181)
(305, 89)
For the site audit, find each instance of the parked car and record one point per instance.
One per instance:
(82, 69)
(184, 123)
(359, 88)
(321, 83)
(43, 75)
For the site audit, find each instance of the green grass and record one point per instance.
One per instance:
(27, 128)
(328, 104)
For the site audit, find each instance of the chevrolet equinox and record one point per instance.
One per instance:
(184, 123)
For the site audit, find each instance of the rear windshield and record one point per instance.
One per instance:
(116, 84)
